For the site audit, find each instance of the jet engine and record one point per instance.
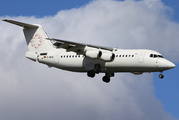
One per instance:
(94, 54)
(107, 56)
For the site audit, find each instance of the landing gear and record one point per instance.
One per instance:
(91, 73)
(107, 76)
(106, 79)
(96, 70)
(161, 76)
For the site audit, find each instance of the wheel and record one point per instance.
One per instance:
(106, 79)
(91, 74)
(161, 76)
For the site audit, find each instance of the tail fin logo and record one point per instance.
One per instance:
(36, 41)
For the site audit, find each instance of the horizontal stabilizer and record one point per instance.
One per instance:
(21, 23)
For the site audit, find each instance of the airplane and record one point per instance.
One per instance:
(87, 58)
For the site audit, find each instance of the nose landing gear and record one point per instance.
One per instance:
(161, 76)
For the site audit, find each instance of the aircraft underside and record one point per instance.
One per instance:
(110, 71)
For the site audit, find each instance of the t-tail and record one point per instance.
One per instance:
(36, 39)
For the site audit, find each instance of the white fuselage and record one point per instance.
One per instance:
(135, 61)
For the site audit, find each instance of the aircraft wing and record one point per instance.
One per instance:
(74, 46)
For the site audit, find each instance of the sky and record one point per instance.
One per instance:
(29, 90)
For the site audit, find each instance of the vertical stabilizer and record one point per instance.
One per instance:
(35, 37)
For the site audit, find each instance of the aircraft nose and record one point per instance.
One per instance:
(171, 65)
(165, 64)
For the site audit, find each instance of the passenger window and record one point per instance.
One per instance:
(73, 56)
(126, 55)
(129, 55)
(151, 55)
(67, 56)
(119, 55)
(123, 56)
(132, 55)
(61, 56)
(116, 55)
(78, 55)
(70, 56)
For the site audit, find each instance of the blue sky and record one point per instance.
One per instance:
(37, 8)
(166, 90)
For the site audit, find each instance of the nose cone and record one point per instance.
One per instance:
(171, 65)
(165, 64)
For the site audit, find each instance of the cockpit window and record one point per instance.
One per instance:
(160, 56)
(154, 56)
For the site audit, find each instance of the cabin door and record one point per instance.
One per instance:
(56, 59)
(141, 57)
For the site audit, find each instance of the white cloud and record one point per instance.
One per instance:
(30, 90)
